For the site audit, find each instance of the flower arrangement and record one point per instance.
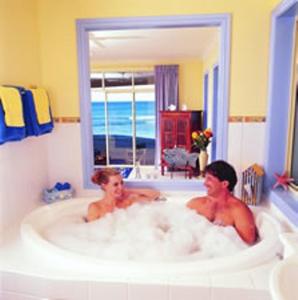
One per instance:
(201, 139)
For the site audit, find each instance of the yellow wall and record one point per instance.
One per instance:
(58, 53)
(19, 52)
(191, 84)
(208, 65)
(190, 77)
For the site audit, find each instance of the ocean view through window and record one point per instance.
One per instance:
(123, 118)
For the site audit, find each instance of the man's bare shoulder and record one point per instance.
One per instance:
(196, 201)
(239, 205)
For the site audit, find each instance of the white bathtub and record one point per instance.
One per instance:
(33, 224)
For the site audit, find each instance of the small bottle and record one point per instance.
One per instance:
(155, 174)
(184, 107)
(138, 170)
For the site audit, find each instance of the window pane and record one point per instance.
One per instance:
(118, 79)
(120, 128)
(143, 78)
(96, 80)
(98, 126)
(145, 127)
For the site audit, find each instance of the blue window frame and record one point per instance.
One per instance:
(294, 140)
(279, 109)
(205, 111)
(84, 26)
(215, 111)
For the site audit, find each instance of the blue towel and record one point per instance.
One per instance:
(30, 117)
(8, 133)
(32, 127)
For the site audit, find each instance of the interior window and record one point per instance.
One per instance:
(294, 160)
(293, 133)
(123, 118)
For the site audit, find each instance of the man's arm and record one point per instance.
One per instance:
(197, 204)
(245, 224)
(193, 203)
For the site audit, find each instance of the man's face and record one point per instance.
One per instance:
(114, 187)
(214, 186)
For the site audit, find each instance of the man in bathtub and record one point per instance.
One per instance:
(220, 206)
(116, 195)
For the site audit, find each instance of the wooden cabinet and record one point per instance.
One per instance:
(176, 128)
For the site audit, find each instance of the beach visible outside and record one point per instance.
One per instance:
(120, 131)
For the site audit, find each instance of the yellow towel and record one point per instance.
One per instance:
(12, 106)
(42, 106)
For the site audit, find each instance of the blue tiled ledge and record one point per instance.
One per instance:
(287, 203)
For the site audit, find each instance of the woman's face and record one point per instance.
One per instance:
(114, 188)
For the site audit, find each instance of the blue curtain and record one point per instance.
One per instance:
(166, 94)
(166, 86)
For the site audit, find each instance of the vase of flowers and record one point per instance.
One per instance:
(201, 139)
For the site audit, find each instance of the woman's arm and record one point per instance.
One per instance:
(143, 194)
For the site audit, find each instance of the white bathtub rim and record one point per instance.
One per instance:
(245, 259)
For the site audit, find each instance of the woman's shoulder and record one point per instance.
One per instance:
(95, 210)
(95, 205)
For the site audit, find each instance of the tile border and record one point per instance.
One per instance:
(247, 119)
(231, 119)
(67, 119)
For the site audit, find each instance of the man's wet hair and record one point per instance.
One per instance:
(223, 171)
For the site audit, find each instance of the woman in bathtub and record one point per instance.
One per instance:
(116, 195)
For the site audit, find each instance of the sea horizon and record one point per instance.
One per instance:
(120, 120)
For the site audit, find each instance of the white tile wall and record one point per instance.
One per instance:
(65, 158)
(246, 145)
(105, 290)
(235, 149)
(21, 287)
(16, 296)
(237, 294)
(44, 287)
(148, 292)
(23, 175)
(260, 276)
(187, 292)
(236, 280)
(253, 144)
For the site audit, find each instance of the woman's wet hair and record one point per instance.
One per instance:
(102, 176)
(223, 171)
